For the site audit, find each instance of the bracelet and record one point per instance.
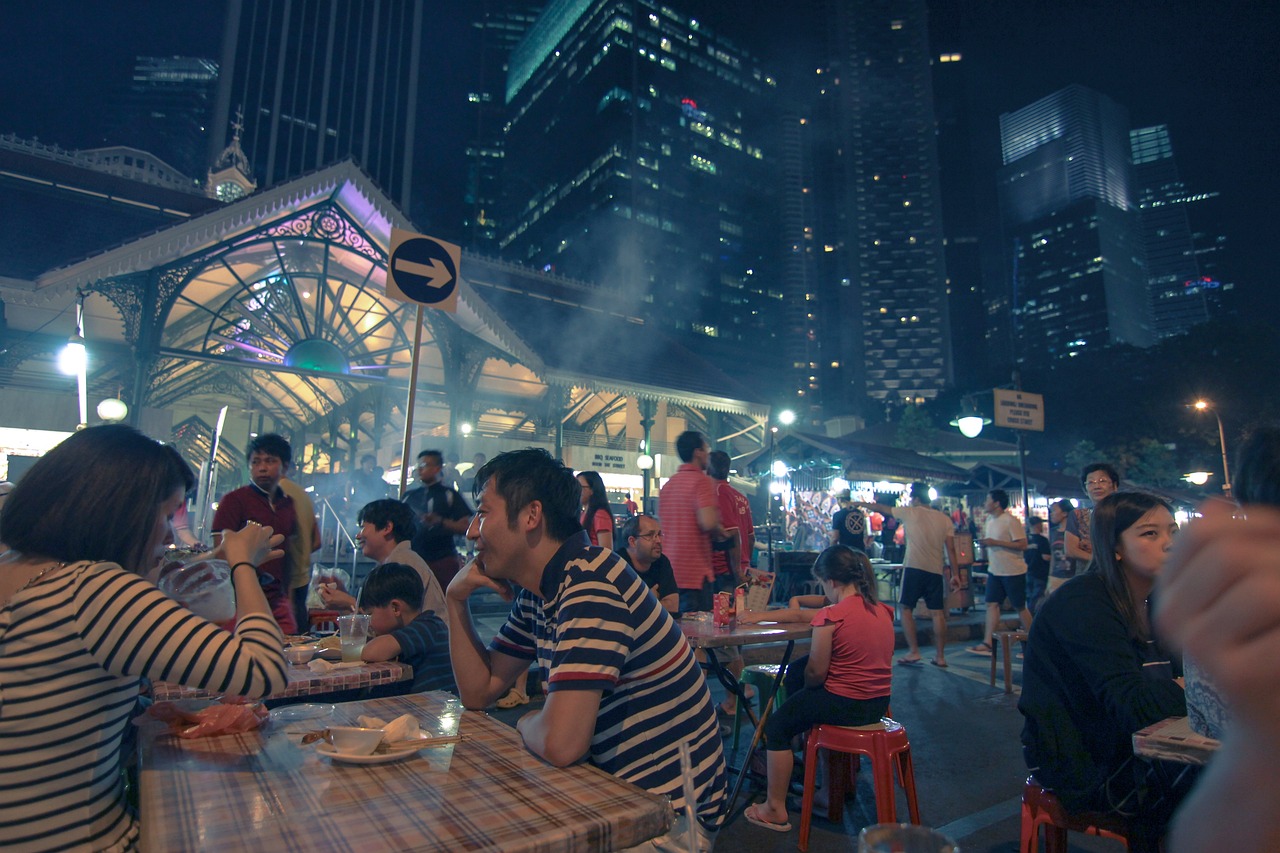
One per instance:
(244, 563)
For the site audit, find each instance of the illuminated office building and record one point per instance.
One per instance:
(635, 160)
(167, 109)
(1073, 246)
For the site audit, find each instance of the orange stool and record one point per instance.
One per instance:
(887, 745)
(324, 620)
(1041, 808)
(1004, 640)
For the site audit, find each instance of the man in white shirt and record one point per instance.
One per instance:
(1005, 539)
(930, 537)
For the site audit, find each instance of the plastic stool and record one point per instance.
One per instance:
(324, 620)
(1005, 640)
(1041, 808)
(760, 676)
(887, 745)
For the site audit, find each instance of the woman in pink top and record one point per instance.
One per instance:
(597, 518)
(846, 679)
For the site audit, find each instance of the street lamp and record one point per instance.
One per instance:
(645, 463)
(1206, 406)
(1197, 478)
(786, 417)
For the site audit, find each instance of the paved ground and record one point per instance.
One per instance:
(964, 743)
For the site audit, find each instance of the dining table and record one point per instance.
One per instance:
(305, 681)
(481, 791)
(1172, 739)
(703, 634)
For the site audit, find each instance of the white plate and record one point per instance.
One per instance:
(326, 749)
(294, 713)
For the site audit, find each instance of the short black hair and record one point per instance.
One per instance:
(94, 497)
(436, 453)
(1258, 468)
(272, 444)
(718, 464)
(524, 476)
(386, 511)
(392, 580)
(920, 493)
(1000, 496)
(1035, 521)
(630, 527)
(1105, 468)
(687, 444)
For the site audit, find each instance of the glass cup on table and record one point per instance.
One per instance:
(353, 632)
(199, 581)
(904, 838)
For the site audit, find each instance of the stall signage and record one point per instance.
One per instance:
(1019, 410)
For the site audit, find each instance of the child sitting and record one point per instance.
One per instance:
(392, 597)
(846, 679)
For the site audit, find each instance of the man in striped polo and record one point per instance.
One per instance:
(623, 689)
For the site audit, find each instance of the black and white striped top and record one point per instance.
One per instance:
(73, 647)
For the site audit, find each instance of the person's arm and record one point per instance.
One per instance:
(788, 614)
(815, 671)
(336, 599)
(665, 590)
(670, 602)
(383, 647)
(1075, 547)
(603, 524)
(833, 536)
(315, 534)
(482, 675)
(1011, 544)
(883, 509)
(561, 732)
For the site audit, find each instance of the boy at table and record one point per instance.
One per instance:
(392, 596)
(623, 689)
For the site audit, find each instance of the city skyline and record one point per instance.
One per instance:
(1200, 71)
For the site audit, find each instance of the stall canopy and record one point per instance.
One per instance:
(853, 460)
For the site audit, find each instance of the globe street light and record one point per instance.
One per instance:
(1206, 406)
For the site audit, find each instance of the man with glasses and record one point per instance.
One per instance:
(642, 538)
(441, 513)
(1099, 480)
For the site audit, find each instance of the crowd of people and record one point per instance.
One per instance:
(593, 610)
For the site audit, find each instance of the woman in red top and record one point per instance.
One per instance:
(597, 518)
(847, 677)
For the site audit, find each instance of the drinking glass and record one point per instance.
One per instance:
(200, 582)
(904, 838)
(353, 632)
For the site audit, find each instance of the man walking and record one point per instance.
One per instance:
(930, 538)
(623, 689)
(690, 519)
(441, 513)
(1005, 540)
(264, 502)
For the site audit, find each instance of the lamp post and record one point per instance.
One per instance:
(786, 417)
(970, 424)
(1206, 406)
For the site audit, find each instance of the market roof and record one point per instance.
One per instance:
(860, 460)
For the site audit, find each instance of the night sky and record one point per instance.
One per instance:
(1207, 68)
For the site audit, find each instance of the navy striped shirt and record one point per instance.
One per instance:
(596, 627)
(73, 647)
(424, 645)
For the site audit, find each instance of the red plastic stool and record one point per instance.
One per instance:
(887, 745)
(324, 620)
(1041, 808)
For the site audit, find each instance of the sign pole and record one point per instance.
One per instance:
(1022, 456)
(409, 404)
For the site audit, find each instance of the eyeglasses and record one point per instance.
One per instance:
(1103, 482)
(653, 534)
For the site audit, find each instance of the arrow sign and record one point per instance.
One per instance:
(423, 270)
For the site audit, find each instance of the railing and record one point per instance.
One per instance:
(327, 512)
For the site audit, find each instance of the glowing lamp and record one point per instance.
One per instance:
(779, 468)
(113, 410)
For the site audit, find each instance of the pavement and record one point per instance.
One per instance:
(964, 743)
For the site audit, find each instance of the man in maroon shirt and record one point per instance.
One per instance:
(264, 502)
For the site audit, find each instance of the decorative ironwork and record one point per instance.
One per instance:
(328, 224)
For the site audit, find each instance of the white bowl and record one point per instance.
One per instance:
(350, 740)
(299, 655)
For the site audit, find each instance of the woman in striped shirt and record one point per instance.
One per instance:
(79, 628)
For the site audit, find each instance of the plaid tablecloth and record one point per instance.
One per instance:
(304, 682)
(265, 791)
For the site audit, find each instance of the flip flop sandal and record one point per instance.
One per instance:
(910, 661)
(753, 816)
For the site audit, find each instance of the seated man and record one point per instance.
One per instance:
(641, 537)
(623, 689)
(392, 597)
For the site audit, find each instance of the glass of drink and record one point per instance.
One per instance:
(200, 582)
(353, 632)
(904, 838)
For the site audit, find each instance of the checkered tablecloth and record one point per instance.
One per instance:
(304, 682)
(265, 791)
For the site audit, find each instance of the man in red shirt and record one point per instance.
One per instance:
(690, 520)
(730, 560)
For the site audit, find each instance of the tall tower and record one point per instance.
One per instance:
(876, 236)
(167, 111)
(635, 159)
(321, 80)
(1180, 296)
(1075, 276)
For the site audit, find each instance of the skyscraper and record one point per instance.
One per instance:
(322, 80)
(876, 281)
(635, 159)
(1075, 276)
(167, 111)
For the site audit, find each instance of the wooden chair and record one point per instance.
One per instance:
(1004, 640)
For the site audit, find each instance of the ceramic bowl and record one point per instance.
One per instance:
(299, 655)
(350, 740)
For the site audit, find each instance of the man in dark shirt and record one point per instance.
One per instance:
(441, 514)
(1037, 556)
(264, 502)
(849, 525)
(642, 538)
